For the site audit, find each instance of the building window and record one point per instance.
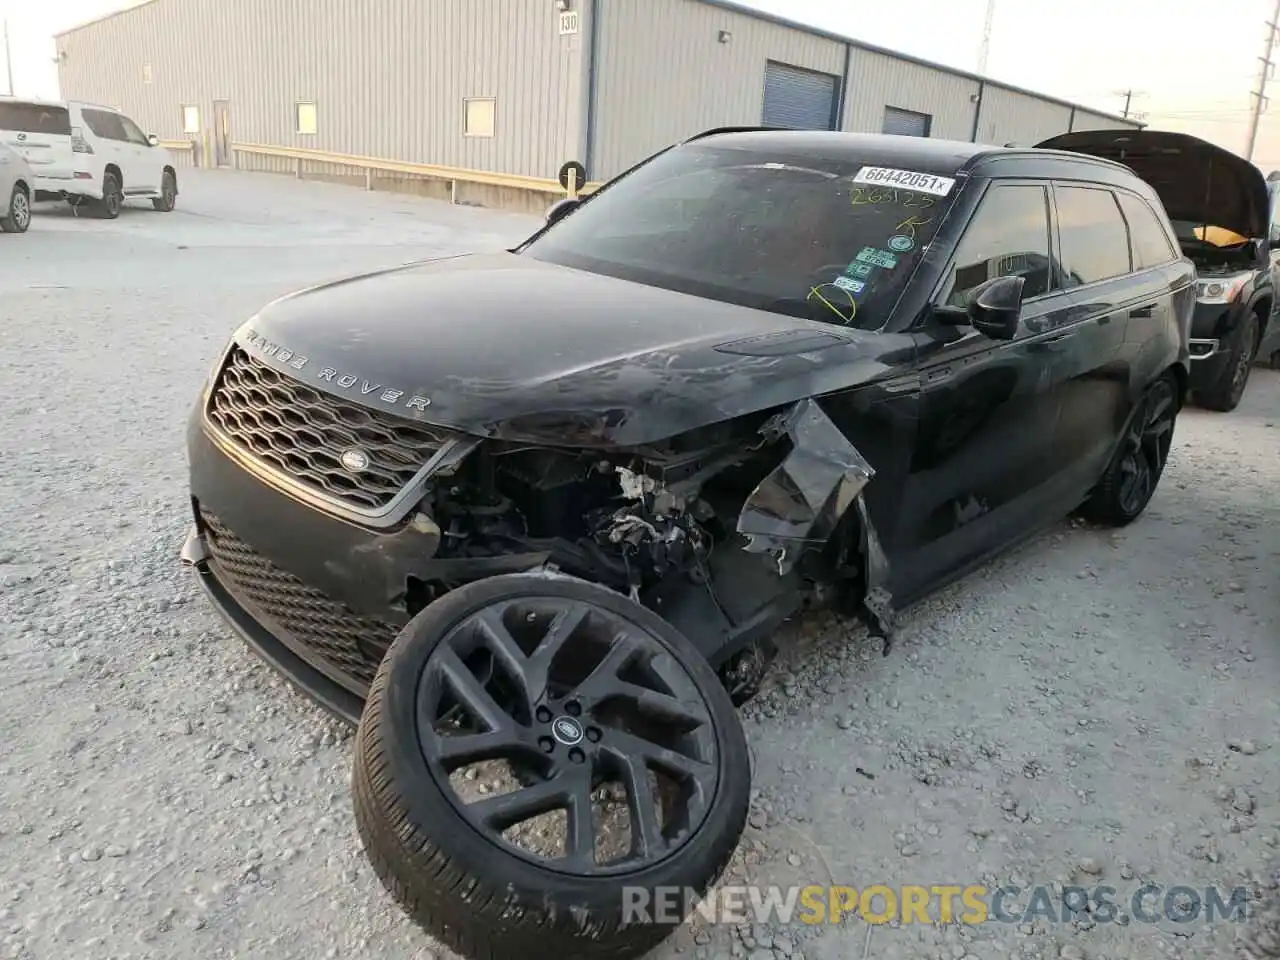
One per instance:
(190, 119)
(906, 123)
(478, 117)
(306, 117)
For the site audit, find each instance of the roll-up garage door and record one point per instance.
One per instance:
(798, 99)
(906, 123)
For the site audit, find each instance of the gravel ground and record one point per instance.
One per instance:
(1095, 708)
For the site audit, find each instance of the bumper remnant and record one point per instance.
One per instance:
(802, 501)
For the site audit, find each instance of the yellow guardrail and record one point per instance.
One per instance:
(178, 145)
(454, 175)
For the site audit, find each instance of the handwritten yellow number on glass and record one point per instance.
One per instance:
(909, 225)
(846, 317)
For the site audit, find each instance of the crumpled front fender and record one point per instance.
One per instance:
(802, 501)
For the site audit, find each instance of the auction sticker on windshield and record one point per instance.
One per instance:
(877, 258)
(907, 179)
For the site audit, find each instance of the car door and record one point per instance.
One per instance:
(981, 472)
(110, 146)
(147, 162)
(1114, 307)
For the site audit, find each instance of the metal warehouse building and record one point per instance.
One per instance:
(515, 86)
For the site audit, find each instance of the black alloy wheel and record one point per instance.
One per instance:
(168, 198)
(112, 200)
(1135, 471)
(541, 743)
(1226, 394)
(575, 733)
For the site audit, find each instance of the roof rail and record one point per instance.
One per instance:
(717, 130)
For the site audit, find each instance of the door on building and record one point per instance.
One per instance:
(799, 99)
(906, 123)
(222, 133)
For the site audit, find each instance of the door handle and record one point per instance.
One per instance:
(1051, 344)
(1145, 312)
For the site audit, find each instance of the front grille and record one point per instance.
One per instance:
(350, 645)
(302, 433)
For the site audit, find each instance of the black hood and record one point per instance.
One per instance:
(507, 346)
(1196, 180)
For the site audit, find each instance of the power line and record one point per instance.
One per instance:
(1128, 99)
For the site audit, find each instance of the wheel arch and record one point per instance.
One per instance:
(113, 169)
(172, 171)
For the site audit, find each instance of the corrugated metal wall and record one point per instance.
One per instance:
(388, 76)
(877, 81)
(1011, 117)
(663, 74)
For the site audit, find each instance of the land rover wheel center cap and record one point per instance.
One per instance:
(567, 730)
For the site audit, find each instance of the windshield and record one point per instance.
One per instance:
(797, 235)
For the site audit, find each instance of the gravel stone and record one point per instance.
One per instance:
(131, 711)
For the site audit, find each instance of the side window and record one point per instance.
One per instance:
(132, 133)
(1095, 239)
(1009, 237)
(105, 124)
(1151, 246)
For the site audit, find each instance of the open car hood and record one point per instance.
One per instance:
(1196, 180)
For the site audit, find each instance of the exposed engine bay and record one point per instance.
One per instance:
(726, 531)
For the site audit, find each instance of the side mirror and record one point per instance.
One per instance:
(153, 140)
(992, 308)
(561, 209)
(995, 307)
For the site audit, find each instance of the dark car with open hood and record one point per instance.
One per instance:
(1221, 210)
(538, 513)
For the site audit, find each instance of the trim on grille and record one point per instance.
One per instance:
(327, 634)
(292, 435)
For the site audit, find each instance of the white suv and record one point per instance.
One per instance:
(85, 153)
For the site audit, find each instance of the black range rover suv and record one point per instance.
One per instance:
(545, 508)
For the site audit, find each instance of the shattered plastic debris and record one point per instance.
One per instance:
(804, 497)
(635, 485)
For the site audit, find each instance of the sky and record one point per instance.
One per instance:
(1188, 70)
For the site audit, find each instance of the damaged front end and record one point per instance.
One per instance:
(726, 531)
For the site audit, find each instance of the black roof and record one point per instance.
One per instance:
(926, 153)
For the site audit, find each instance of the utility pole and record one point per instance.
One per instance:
(8, 57)
(1260, 95)
(985, 50)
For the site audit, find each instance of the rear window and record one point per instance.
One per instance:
(1151, 246)
(1095, 237)
(35, 118)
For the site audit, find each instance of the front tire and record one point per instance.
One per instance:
(112, 199)
(1139, 461)
(1226, 394)
(168, 198)
(18, 216)
(584, 691)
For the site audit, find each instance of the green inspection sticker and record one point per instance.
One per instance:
(877, 258)
(856, 269)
